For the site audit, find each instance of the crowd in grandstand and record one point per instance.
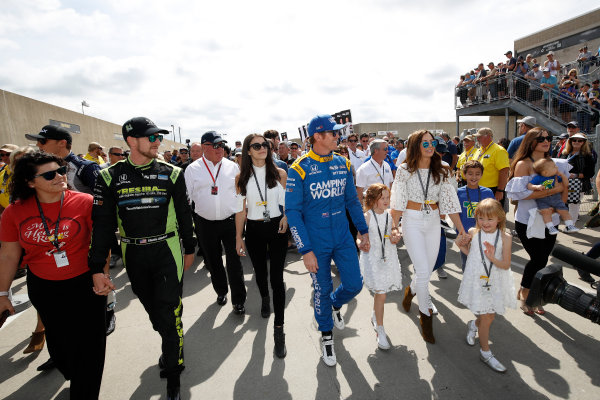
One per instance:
(349, 199)
(544, 84)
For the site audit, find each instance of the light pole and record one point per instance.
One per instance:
(179, 134)
(173, 126)
(84, 104)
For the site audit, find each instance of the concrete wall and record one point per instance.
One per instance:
(497, 124)
(20, 115)
(559, 31)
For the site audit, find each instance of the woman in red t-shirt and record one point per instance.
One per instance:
(53, 225)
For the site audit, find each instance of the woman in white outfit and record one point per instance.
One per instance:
(421, 192)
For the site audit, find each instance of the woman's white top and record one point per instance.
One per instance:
(275, 196)
(407, 187)
(516, 189)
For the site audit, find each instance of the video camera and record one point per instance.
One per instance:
(549, 286)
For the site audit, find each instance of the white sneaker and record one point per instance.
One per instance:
(374, 321)
(441, 273)
(552, 230)
(328, 350)
(571, 229)
(492, 362)
(338, 320)
(382, 341)
(471, 333)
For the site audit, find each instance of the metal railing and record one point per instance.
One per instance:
(552, 103)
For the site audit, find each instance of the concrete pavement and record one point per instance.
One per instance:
(231, 357)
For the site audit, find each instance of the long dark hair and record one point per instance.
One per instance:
(528, 144)
(413, 156)
(246, 170)
(26, 168)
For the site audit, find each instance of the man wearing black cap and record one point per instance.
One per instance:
(572, 128)
(81, 174)
(147, 199)
(211, 186)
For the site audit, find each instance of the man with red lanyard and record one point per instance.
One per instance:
(211, 187)
(494, 159)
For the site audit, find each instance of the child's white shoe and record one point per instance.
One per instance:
(471, 333)
(552, 230)
(492, 362)
(382, 341)
(571, 229)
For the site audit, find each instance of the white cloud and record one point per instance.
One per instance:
(244, 67)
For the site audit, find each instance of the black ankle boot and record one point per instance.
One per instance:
(279, 336)
(265, 309)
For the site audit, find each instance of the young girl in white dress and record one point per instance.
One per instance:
(380, 267)
(487, 287)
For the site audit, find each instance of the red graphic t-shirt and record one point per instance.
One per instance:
(21, 222)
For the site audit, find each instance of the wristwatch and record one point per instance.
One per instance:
(500, 190)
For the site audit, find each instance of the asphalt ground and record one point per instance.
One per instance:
(554, 356)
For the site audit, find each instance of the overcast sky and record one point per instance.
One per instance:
(247, 66)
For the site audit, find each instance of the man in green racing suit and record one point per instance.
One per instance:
(147, 199)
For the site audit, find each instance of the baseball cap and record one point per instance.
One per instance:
(546, 69)
(140, 127)
(469, 137)
(238, 152)
(550, 53)
(531, 121)
(508, 52)
(596, 81)
(212, 137)
(322, 123)
(573, 123)
(563, 136)
(536, 65)
(51, 132)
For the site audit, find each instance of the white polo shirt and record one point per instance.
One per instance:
(199, 182)
(371, 172)
(356, 157)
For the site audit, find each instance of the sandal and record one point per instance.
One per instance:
(539, 310)
(526, 309)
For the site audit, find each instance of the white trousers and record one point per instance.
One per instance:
(574, 209)
(422, 241)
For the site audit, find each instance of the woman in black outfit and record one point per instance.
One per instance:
(262, 188)
(535, 146)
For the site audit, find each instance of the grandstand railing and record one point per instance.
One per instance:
(551, 103)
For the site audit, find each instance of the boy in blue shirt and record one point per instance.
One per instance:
(470, 195)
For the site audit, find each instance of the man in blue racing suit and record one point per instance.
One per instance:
(319, 190)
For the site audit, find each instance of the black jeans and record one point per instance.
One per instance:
(263, 240)
(538, 249)
(74, 318)
(212, 234)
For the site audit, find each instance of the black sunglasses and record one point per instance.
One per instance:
(183, 152)
(353, 140)
(118, 154)
(218, 145)
(42, 140)
(257, 146)
(4, 154)
(540, 139)
(577, 140)
(49, 175)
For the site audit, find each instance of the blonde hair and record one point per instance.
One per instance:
(374, 193)
(540, 165)
(491, 208)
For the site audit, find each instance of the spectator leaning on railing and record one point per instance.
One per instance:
(552, 64)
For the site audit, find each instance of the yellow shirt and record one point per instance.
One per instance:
(494, 158)
(464, 157)
(98, 160)
(5, 177)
